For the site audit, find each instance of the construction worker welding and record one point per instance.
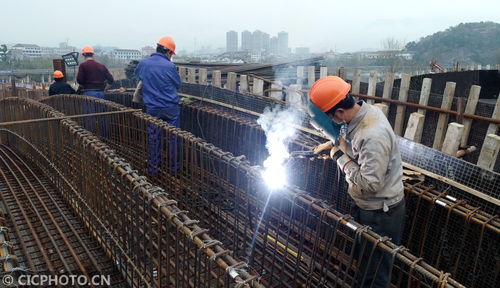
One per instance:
(59, 86)
(369, 156)
(93, 77)
(160, 81)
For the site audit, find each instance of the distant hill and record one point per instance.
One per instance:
(466, 43)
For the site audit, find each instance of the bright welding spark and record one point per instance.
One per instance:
(279, 126)
(274, 173)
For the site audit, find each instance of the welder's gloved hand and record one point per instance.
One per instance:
(322, 147)
(338, 150)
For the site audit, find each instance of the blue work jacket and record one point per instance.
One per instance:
(160, 81)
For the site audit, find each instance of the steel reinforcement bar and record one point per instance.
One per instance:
(290, 237)
(449, 233)
(152, 241)
(49, 239)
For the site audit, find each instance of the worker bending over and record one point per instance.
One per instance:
(370, 158)
(59, 86)
(92, 75)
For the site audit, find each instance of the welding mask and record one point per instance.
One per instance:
(321, 122)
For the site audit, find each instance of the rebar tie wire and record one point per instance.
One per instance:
(209, 244)
(219, 254)
(174, 214)
(168, 202)
(197, 231)
(155, 192)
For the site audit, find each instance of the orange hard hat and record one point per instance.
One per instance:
(58, 74)
(87, 49)
(168, 43)
(328, 92)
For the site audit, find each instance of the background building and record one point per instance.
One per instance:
(232, 41)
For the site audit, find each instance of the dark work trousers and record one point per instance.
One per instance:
(171, 116)
(88, 108)
(375, 266)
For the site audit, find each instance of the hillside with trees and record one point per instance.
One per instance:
(466, 43)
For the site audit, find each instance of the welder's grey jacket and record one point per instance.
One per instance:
(375, 175)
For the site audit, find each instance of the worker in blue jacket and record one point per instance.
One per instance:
(160, 81)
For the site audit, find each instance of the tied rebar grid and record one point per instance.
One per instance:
(296, 240)
(449, 233)
(50, 239)
(151, 240)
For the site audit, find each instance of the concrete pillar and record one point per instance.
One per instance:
(191, 78)
(202, 76)
(231, 81)
(489, 152)
(243, 83)
(415, 126)
(258, 86)
(451, 141)
(293, 95)
(323, 72)
(311, 75)
(216, 78)
(300, 75)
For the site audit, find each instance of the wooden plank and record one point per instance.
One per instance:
(493, 128)
(453, 183)
(470, 109)
(323, 72)
(424, 94)
(415, 126)
(451, 141)
(183, 73)
(191, 75)
(202, 79)
(372, 85)
(401, 109)
(258, 86)
(243, 83)
(388, 84)
(293, 95)
(449, 92)
(275, 94)
(216, 78)
(356, 81)
(311, 75)
(300, 75)
(489, 152)
(231, 81)
(383, 107)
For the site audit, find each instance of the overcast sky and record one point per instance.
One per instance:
(321, 25)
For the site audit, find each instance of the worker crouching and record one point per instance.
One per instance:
(369, 156)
